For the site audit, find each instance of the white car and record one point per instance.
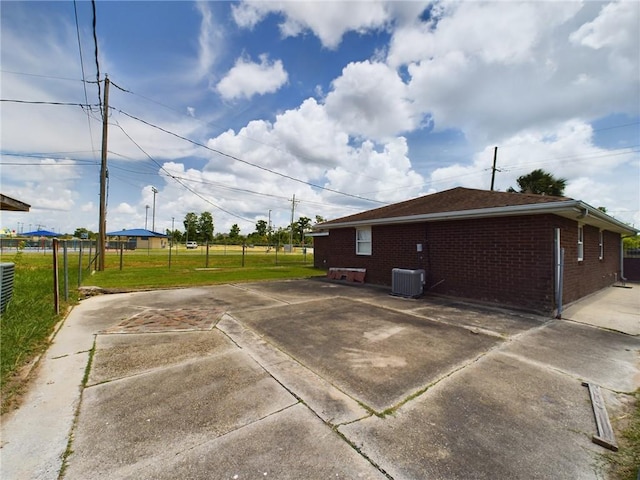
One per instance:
(192, 244)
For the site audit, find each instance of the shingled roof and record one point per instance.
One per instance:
(459, 203)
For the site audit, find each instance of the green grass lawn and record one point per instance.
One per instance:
(143, 270)
(29, 321)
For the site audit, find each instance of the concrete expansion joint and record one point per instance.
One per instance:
(411, 312)
(418, 393)
(543, 366)
(599, 327)
(355, 420)
(76, 414)
(358, 449)
(262, 294)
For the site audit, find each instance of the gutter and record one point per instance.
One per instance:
(573, 209)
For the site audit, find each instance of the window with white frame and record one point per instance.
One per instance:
(363, 241)
(601, 254)
(580, 243)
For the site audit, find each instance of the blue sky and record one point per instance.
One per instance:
(374, 102)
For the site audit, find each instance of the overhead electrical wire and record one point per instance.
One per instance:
(95, 42)
(238, 159)
(222, 129)
(182, 183)
(41, 102)
(84, 83)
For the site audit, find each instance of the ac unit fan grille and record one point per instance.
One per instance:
(407, 283)
(7, 271)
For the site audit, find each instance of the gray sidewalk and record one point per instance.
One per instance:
(310, 379)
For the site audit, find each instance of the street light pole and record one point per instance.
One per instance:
(269, 230)
(153, 223)
(146, 214)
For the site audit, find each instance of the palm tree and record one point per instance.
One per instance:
(540, 183)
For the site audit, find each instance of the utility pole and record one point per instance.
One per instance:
(269, 230)
(146, 214)
(102, 240)
(293, 209)
(493, 169)
(153, 224)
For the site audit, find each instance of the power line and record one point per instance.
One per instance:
(95, 42)
(84, 84)
(41, 102)
(221, 128)
(12, 72)
(219, 152)
(180, 182)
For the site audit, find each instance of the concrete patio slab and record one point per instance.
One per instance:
(169, 410)
(614, 308)
(330, 404)
(606, 358)
(375, 355)
(283, 379)
(498, 418)
(118, 356)
(488, 319)
(305, 448)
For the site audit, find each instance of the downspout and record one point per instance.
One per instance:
(622, 279)
(559, 272)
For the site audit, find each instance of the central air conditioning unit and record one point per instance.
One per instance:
(7, 271)
(407, 283)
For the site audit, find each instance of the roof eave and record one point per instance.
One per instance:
(572, 209)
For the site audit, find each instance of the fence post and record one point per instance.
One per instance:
(80, 264)
(121, 250)
(65, 269)
(56, 292)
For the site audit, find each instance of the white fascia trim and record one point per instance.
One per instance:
(572, 209)
(465, 214)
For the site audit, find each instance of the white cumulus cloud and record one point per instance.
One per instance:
(370, 99)
(248, 78)
(329, 21)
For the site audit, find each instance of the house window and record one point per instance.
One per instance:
(363, 241)
(580, 243)
(601, 254)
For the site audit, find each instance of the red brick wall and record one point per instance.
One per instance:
(507, 260)
(591, 274)
(320, 252)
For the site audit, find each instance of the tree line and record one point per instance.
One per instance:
(200, 228)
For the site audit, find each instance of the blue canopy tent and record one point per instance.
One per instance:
(40, 233)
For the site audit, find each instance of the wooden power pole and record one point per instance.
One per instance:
(493, 169)
(103, 181)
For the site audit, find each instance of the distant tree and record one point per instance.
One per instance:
(261, 228)
(320, 219)
(302, 225)
(205, 227)
(631, 243)
(540, 182)
(603, 209)
(84, 233)
(234, 233)
(190, 226)
(176, 235)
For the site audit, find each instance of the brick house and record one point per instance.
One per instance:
(533, 252)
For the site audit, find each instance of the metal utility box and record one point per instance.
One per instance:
(7, 272)
(407, 283)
